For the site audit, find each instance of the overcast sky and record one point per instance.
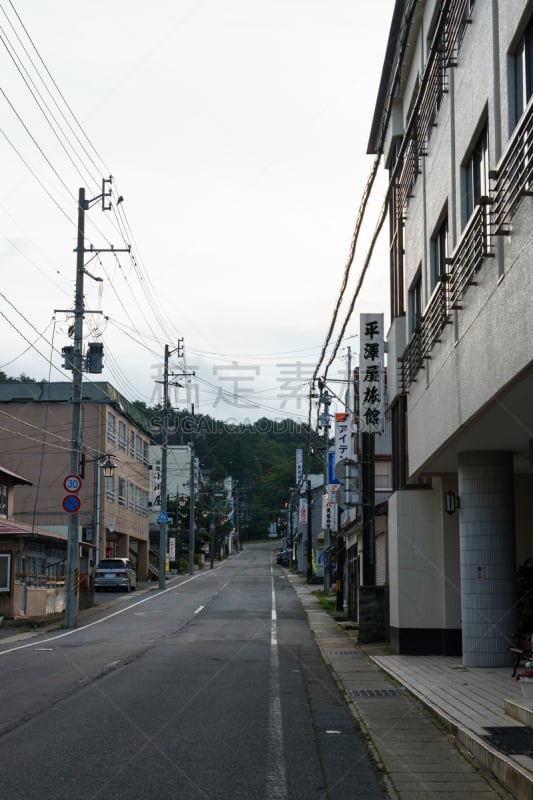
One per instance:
(236, 132)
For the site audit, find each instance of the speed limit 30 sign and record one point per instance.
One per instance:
(72, 483)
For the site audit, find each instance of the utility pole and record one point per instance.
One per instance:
(163, 515)
(325, 398)
(75, 361)
(309, 534)
(192, 490)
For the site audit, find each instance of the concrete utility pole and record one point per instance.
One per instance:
(73, 553)
(325, 398)
(192, 509)
(72, 576)
(163, 517)
(309, 533)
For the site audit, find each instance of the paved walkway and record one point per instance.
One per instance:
(417, 710)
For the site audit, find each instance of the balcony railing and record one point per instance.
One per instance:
(427, 333)
(514, 177)
(470, 254)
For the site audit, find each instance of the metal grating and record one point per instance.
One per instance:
(375, 692)
(341, 652)
(514, 740)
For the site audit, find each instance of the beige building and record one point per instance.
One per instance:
(35, 441)
(454, 121)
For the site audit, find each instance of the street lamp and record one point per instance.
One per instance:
(108, 467)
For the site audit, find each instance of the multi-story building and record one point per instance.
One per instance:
(454, 121)
(35, 438)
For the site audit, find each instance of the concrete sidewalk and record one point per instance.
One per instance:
(438, 729)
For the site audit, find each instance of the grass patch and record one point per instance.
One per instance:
(327, 600)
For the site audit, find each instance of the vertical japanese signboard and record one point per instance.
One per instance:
(371, 370)
(299, 466)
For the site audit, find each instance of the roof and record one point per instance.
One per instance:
(388, 78)
(10, 528)
(61, 392)
(14, 477)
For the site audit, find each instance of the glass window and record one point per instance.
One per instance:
(122, 436)
(132, 444)
(3, 500)
(110, 488)
(415, 304)
(475, 176)
(523, 72)
(122, 492)
(439, 253)
(5, 572)
(111, 428)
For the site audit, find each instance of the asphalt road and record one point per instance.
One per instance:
(211, 688)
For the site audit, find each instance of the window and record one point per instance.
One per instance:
(122, 436)
(523, 72)
(122, 492)
(439, 253)
(466, 20)
(111, 428)
(139, 449)
(3, 500)
(138, 500)
(475, 176)
(5, 572)
(415, 304)
(132, 444)
(110, 488)
(146, 453)
(131, 497)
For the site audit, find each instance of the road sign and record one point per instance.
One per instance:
(162, 517)
(72, 483)
(71, 503)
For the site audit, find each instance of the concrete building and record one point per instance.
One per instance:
(454, 121)
(35, 441)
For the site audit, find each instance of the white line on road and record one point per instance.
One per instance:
(96, 622)
(200, 608)
(276, 778)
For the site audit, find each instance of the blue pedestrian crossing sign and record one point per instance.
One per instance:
(162, 517)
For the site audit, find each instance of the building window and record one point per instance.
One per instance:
(5, 572)
(139, 449)
(131, 497)
(415, 304)
(144, 501)
(132, 444)
(111, 428)
(110, 488)
(439, 253)
(465, 21)
(523, 72)
(146, 453)
(122, 436)
(138, 500)
(122, 492)
(475, 176)
(3, 500)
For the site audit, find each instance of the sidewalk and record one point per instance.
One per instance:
(418, 709)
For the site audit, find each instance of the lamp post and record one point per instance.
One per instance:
(107, 467)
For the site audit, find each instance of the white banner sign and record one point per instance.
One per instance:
(371, 370)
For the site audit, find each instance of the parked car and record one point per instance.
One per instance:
(115, 573)
(283, 558)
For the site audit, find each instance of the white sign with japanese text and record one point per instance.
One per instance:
(371, 371)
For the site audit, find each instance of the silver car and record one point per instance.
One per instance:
(115, 573)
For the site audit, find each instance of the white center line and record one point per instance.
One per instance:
(276, 776)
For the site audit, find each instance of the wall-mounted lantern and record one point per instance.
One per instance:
(451, 502)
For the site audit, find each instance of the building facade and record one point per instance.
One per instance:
(454, 121)
(36, 442)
